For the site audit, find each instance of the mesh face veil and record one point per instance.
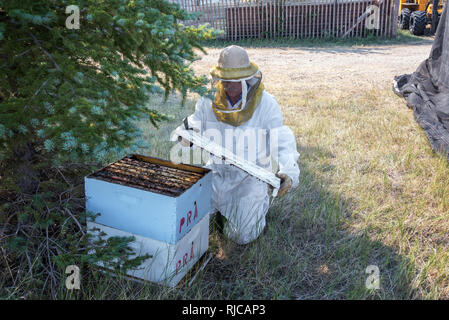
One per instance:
(234, 66)
(248, 86)
(252, 89)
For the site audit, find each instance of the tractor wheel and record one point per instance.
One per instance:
(418, 23)
(404, 19)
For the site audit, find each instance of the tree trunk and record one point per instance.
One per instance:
(27, 175)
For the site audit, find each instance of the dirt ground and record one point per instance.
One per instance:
(338, 69)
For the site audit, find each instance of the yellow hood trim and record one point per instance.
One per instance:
(238, 117)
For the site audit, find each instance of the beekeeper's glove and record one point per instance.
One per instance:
(185, 142)
(286, 183)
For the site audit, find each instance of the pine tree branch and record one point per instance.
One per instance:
(21, 54)
(35, 94)
(54, 62)
(45, 51)
(76, 220)
(7, 264)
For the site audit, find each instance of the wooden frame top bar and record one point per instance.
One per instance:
(151, 174)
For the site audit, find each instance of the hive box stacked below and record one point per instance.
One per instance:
(165, 206)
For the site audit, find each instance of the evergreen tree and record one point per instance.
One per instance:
(73, 95)
(69, 101)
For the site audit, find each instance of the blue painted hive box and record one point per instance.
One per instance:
(150, 197)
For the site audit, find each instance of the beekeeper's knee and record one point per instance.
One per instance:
(244, 234)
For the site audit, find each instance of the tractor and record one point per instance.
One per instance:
(416, 14)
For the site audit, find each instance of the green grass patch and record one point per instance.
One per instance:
(371, 192)
(403, 37)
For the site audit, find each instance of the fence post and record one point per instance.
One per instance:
(298, 9)
(293, 18)
(335, 19)
(395, 17)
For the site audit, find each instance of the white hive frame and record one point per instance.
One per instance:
(231, 158)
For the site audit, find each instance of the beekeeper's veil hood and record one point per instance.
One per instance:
(234, 65)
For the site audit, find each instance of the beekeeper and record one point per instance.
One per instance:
(247, 120)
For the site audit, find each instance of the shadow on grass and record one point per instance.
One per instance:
(344, 50)
(307, 251)
(403, 37)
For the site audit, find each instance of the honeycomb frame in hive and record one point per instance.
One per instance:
(148, 196)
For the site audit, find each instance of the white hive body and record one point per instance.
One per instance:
(169, 263)
(165, 206)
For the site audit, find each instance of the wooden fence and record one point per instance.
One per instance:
(296, 18)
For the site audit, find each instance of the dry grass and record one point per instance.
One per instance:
(371, 190)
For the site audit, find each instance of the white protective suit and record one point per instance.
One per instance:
(240, 197)
(252, 129)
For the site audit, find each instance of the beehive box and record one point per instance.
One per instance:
(169, 262)
(149, 197)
